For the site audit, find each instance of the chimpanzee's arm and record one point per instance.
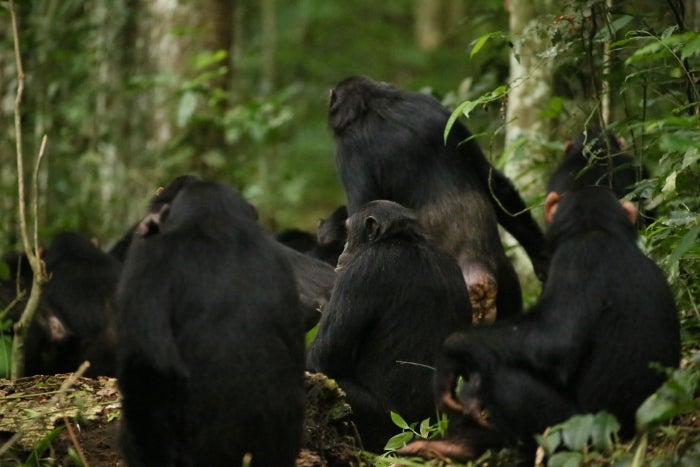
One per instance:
(356, 173)
(340, 331)
(551, 338)
(513, 215)
(145, 308)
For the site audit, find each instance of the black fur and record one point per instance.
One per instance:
(396, 298)
(211, 341)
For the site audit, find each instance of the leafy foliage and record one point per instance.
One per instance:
(676, 397)
(413, 431)
(580, 440)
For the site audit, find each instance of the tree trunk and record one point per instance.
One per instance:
(176, 33)
(428, 27)
(531, 81)
(531, 78)
(269, 45)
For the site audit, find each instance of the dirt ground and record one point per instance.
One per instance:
(59, 426)
(55, 420)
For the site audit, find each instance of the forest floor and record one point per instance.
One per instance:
(56, 420)
(53, 420)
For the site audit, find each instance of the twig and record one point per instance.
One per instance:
(69, 426)
(35, 197)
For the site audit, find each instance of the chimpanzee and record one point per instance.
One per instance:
(75, 318)
(164, 196)
(297, 239)
(605, 314)
(390, 145)
(211, 354)
(331, 235)
(397, 296)
(597, 158)
(314, 278)
(327, 244)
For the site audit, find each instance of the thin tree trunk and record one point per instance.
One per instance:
(531, 80)
(176, 32)
(269, 48)
(531, 77)
(428, 25)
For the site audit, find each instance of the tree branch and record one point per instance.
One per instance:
(20, 327)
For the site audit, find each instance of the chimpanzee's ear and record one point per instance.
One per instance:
(151, 224)
(551, 203)
(631, 211)
(373, 228)
(568, 146)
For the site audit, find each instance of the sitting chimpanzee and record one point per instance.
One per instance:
(164, 196)
(606, 313)
(396, 298)
(314, 277)
(75, 318)
(297, 239)
(597, 159)
(211, 354)
(390, 144)
(328, 242)
(331, 235)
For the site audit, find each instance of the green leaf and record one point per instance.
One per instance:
(605, 33)
(480, 42)
(5, 355)
(466, 107)
(668, 31)
(686, 243)
(207, 59)
(398, 441)
(186, 108)
(577, 431)
(691, 48)
(554, 109)
(549, 441)
(399, 421)
(605, 425)
(670, 183)
(677, 141)
(31, 413)
(691, 157)
(40, 448)
(424, 428)
(675, 397)
(565, 459)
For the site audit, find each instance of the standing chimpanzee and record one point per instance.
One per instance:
(75, 318)
(390, 145)
(397, 296)
(331, 235)
(314, 278)
(211, 354)
(597, 159)
(605, 314)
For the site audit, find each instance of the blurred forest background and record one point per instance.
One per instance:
(134, 93)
